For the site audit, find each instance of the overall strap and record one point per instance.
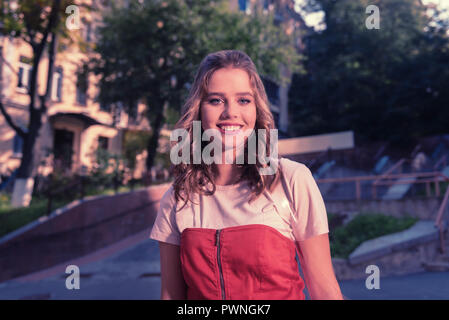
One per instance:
(283, 200)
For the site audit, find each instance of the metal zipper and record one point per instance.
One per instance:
(217, 243)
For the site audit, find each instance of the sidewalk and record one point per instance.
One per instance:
(133, 274)
(129, 273)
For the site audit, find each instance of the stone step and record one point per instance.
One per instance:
(436, 266)
(423, 231)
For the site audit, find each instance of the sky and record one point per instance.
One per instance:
(313, 19)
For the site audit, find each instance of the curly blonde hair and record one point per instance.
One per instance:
(194, 178)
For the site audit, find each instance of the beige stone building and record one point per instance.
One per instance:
(76, 124)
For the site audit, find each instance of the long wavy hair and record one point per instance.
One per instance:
(195, 178)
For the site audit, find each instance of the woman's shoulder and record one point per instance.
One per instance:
(293, 170)
(168, 198)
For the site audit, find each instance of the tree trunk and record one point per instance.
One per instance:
(24, 183)
(156, 123)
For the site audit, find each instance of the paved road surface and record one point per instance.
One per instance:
(133, 274)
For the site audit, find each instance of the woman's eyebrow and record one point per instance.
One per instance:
(222, 94)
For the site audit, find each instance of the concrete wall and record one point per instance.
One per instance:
(400, 262)
(77, 230)
(317, 143)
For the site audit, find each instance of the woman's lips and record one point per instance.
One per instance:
(230, 132)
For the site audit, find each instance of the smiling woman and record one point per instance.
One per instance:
(229, 105)
(226, 230)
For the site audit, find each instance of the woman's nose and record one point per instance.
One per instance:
(230, 109)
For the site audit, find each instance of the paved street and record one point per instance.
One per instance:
(133, 274)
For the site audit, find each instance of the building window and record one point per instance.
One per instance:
(81, 89)
(87, 30)
(63, 149)
(24, 74)
(266, 4)
(17, 146)
(245, 5)
(56, 87)
(103, 143)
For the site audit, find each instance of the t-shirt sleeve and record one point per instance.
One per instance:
(165, 228)
(309, 216)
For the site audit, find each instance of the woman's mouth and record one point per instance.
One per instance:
(230, 129)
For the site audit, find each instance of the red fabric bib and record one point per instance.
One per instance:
(249, 262)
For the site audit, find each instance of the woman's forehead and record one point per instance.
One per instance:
(230, 81)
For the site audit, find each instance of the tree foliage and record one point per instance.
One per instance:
(150, 50)
(385, 84)
(40, 24)
(37, 23)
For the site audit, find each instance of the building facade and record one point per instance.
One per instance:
(76, 124)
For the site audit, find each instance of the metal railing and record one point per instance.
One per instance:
(388, 178)
(439, 219)
(441, 162)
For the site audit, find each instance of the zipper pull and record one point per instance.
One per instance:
(217, 238)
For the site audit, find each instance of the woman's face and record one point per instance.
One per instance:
(229, 105)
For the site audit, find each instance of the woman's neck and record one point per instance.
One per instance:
(227, 174)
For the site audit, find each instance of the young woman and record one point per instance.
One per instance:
(222, 232)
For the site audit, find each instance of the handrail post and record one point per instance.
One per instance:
(437, 187)
(357, 189)
(439, 218)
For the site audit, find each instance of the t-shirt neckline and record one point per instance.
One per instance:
(230, 186)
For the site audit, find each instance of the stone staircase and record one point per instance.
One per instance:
(410, 251)
(441, 261)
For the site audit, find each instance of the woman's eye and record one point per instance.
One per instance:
(214, 101)
(244, 101)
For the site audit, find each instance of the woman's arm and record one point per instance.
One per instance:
(173, 286)
(316, 264)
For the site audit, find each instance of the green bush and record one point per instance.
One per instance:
(14, 218)
(365, 226)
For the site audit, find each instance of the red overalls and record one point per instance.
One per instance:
(249, 262)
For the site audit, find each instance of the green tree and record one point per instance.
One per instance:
(150, 50)
(134, 142)
(39, 24)
(384, 84)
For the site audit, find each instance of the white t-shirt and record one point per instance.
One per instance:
(229, 207)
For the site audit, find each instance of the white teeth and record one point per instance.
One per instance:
(231, 128)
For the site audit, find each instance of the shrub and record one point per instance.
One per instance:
(365, 226)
